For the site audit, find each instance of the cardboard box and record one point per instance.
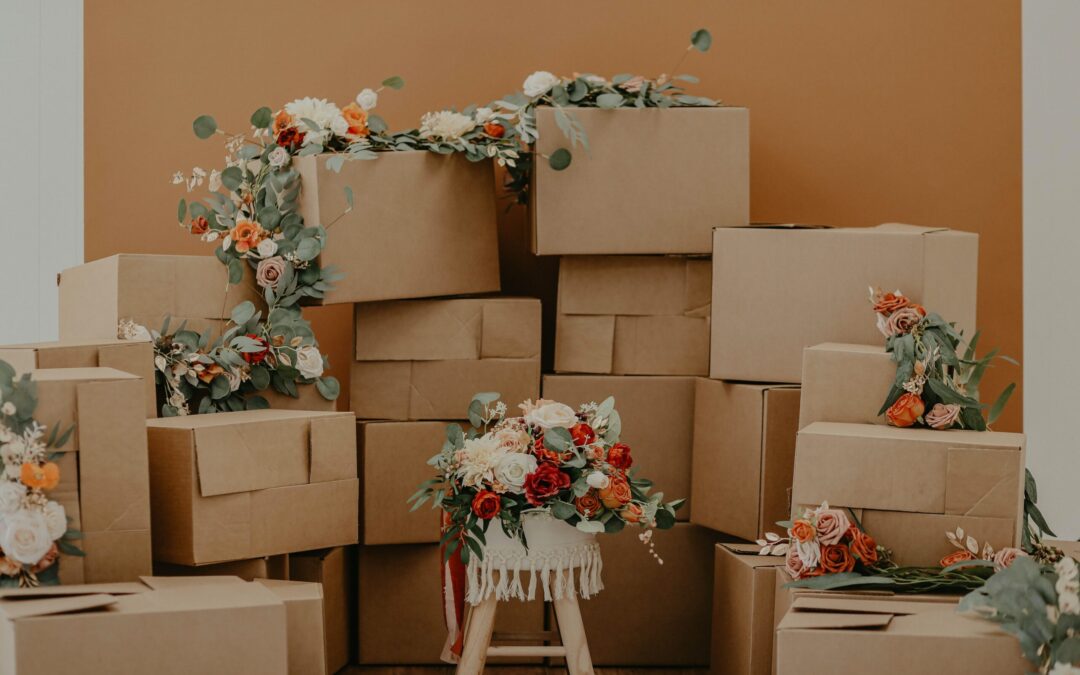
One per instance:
(910, 486)
(744, 455)
(268, 567)
(304, 624)
(657, 422)
(424, 225)
(633, 315)
(393, 463)
(104, 480)
(95, 296)
(129, 356)
(309, 399)
(655, 181)
(778, 290)
(891, 636)
(744, 589)
(426, 359)
(246, 484)
(159, 626)
(335, 569)
(401, 610)
(845, 383)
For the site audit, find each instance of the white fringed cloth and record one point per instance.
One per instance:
(561, 560)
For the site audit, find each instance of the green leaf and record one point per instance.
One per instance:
(664, 519)
(242, 313)
(308, 249)
(256, 403)
(999, 404)
(349, 197)
(455, 436)
(335, 162)
(220, 388)
(560, 159)
(562, 510)
(395, 82)
(329, 387)
(204, 126)
(840, 580)
(260, 377)
(236, 271)
(701, 40)
(261, 118)
(232, 177)
(609, 101)
(181, 211)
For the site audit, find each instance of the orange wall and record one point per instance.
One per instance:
(861, 112)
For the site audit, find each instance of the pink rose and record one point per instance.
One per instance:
(1006, 556)
(793, 563)
(901, 321)
(832, 524)
(942, 415)
(269, 271)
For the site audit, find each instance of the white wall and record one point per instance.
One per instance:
(41, 169)
(1051, 55)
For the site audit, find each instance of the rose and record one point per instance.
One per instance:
(269, 271)
(802, 531)
(513, 439)
(247, 235)
(47, 560)
(634, 84)
(234, 379)
(513, 468)
(266, 248)
(484, 114)
(494, 129)
(357, 119)
(863, 546)
(539, 83)
(955, 557)
(809, 552)
(616, 493)
(903, 320)
(55, 519)
(40, 477)
(256, 356)
(632, 513)
(367, 99)
(290, 138)
(9, 567)
(445, 125)
(942, 415)
(836, 558)
(582, 434)
(24, 536)
(278, 157)
(8, 408)
(887, 303)
(793, 563)
(486, 504)
(545, 483)
(588, 504)
(283, 120)
(598, 480)
(552, 414)
(200, 225)
(1006, 557)
(619, 456)
(905, 411)
(832, 525)
(11, 497)
(545, 454)
(207, 373)
(309, 361)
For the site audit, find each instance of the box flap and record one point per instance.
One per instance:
(828, 602)
(408, 330)
(14, 608)
(794, 620)
(747, 549)
(119, 588)
(510, 328)
(251, 456)
(57, 374)
(904, 228)
(788, 226)
(165, 583)
(982, 481)
(293, 590)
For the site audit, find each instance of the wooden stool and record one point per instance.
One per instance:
(478, 638)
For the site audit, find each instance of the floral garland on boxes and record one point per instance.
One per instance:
(33, 528)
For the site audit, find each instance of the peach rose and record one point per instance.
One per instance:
(588, 504)
(905, 411)
(43, 477)
(247, 235)
(616, 493)
(903, 320)
(632, 513)
(832, 525)
(863, 546)
(1006, 557)
(794, 564)
(887, 303)
(942, 415)
(269, 271)
(802, 531)
(955, 557)
(836, 559)
(357, 119)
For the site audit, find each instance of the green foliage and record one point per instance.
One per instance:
(261, 118)
(701, 40)
(395, 82)
(204, 126)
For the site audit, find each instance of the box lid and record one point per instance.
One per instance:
(81, 374)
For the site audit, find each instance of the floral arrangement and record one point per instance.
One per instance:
(551, 459)
(935, 386)
(33, 528)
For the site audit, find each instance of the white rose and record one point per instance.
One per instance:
(367, 99)
(1069, 603)
(234, 379)
(55, 520)
(598, 480)
(445, 125)
(1062, 668)
(309, 361)
(11, 496)
(8, 408)
(809, 552)
(551, 415)
(484, 114)
(278, 157)
(24, 536)
(539, 83)
(266, 248)
(339, 125)
(512, 469)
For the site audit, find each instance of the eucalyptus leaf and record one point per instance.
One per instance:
(204, 126)
(560, 159)
(701, 40)
(261, 118)
(394, 82)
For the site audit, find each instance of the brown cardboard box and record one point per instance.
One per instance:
(845, 383)
(655, 181)
(891, 636)
(95, 296)
(744, 455)
(744, 588)
(657, 422)
(393, 463)
(425, 359)
(268, 567)
(135, 628)
(246, 484)
(401, 610)
(910, 486)
(778, 290)
(104, 481)
(305, 629)
(130, 356)
(424, 225)
(335, 569)
(309, 399)
(633, 315)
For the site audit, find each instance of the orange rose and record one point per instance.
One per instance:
(890, 302)
(906, 411)
(290, 137)
(200, 225)
(210, 372)
(632, 513)
(494, 129)
(863, 546)
(247, 235)
(43, 477)
(357, 119)
(836, 558)
(802, 531)
(588, 504)
(955, 557)
(616, 493)
(282, 121)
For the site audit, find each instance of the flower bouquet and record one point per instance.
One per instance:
(33, 528)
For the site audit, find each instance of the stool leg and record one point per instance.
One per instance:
(572, 632)
(477, 638)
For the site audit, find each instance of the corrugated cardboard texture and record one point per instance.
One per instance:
(254, 483)
(697, 158)
(744, 455)
(401, 612)
(744, 586)
(633, 315)
(304, 624)
(403, 241)
(936, 480)
(777, 291)
(104, 486)
(657, 422)
(393, 462)
(94, 297)
(129, 356)
(335, 569)
(845, 383)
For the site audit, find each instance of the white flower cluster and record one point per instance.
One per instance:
(29, 523)
(1068, 585)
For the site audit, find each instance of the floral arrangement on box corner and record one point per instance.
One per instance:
(935, 386)
(33, 528)
(551, 458)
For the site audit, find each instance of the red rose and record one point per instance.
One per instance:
(582, 434)
(200, 225)
(486, 504)
(544, 483)
(494, 129)
(259, 356)
(290, 137)
(619, 456)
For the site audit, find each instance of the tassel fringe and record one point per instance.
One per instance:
(499, 574)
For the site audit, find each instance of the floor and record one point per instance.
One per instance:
(513, 670)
